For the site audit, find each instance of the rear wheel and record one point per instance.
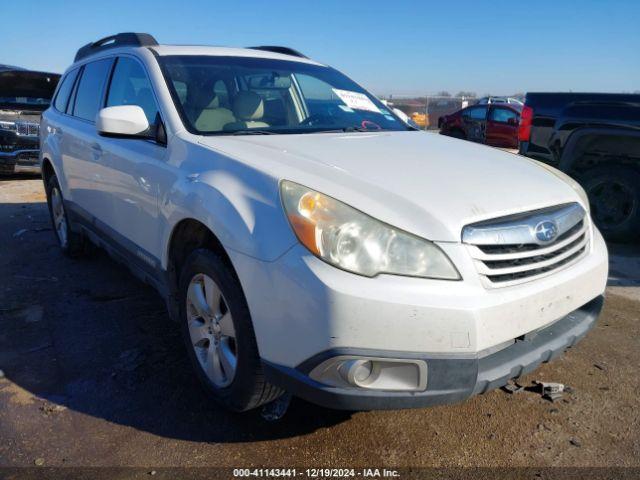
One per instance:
(219, 335)
(71, 243)
(614, 195)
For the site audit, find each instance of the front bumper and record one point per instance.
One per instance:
(20, 161)
(450, 378)
(301, 306)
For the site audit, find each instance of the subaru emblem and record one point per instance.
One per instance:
(546, 231)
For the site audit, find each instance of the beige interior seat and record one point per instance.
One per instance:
(213, 118)
(248, 109)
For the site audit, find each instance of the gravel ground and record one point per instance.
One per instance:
(95, 375)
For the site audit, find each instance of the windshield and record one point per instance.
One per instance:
(243, 95)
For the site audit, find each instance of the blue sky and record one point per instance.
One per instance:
(397, 47)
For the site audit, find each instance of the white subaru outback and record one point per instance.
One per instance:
(305, 238)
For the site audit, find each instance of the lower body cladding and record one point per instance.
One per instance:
(19, 161)
(345, 341)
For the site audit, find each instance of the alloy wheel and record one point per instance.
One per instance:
(59, 217)
(211, 329)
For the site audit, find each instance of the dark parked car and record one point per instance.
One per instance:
(595, 138)
(24, 95)
(493, 124)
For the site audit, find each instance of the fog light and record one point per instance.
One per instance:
(356, 372)
(372, 373)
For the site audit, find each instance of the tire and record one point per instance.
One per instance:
(214, 331)
(71, 243)
(614, 195)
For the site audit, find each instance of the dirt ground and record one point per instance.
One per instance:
(95, 375)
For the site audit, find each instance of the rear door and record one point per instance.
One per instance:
(502, 127)
(81, 148)
(474, 120)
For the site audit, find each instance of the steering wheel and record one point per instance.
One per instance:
(314, 119)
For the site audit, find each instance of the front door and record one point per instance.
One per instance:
(134, 165)
(502, 127)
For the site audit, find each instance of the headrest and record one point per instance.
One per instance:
(248, 106)
(214, 103)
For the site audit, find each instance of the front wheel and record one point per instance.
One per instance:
(614, 196)
(218, 333)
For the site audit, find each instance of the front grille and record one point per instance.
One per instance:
(27, 129)
(506, 251)
(507, 277)
(28, 158)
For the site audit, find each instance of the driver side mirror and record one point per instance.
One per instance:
(123, 121)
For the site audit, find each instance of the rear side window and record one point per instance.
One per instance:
(62, 98)
(90, 88)
(131, 86)
(476, 113)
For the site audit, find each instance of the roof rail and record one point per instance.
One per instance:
(114, 41)
(277, 49)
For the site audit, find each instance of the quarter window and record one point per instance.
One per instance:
(90, 88)
(131, 86)
(62, 98)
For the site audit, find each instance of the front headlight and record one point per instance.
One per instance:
(351, 240)
(4, 125)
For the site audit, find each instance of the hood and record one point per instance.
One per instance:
(27, 90)
(424, 183)
(20, 114)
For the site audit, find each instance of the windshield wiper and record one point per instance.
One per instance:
(345, 129)
(254, 132)
(358, 129)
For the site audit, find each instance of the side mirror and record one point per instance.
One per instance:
(124, 121)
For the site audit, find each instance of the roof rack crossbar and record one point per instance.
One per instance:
(117, 40)
(278, 49)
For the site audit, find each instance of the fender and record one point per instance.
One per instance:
(239, 204)
(568, 157)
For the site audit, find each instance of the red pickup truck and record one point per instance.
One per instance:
(495, 124)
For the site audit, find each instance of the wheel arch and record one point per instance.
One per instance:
(186, 236)
(47, 170)
(601, 144)
(189, 234)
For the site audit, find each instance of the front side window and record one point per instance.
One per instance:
(90, 88)
(62, 98)
(503, 115)
(131, 86)
(476, 113)
(225, 95)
